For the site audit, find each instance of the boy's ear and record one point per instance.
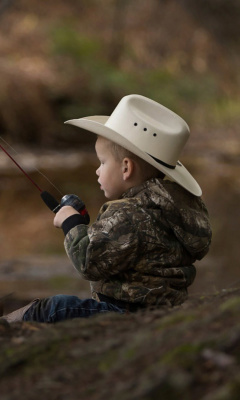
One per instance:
(127, 168)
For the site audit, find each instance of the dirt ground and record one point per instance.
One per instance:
(187, 352)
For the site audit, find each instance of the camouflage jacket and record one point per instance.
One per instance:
(141, 247)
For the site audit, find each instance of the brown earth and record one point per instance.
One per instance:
(187, 352)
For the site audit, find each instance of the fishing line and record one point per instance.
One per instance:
(67, 200)
(19, 166)
(37, 170)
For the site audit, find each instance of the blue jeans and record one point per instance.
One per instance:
(61, 307)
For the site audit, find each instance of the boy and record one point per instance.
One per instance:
(141, 249)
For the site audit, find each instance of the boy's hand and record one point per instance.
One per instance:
(63, 214)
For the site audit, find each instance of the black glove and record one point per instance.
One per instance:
(68, 200)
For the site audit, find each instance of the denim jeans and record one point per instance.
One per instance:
(62, 307)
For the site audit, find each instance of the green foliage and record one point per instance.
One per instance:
(103, 80)
(67, 42)
(108, 362)
(180, 92)
(197, 97)
(226, 110)
(231, 305)
(183, 355)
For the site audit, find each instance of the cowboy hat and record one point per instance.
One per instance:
(150, 131)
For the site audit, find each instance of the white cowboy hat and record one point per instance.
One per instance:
(149, 130)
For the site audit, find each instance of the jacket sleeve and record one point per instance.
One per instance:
(104, 249)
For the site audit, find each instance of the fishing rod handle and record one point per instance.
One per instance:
(68, 200)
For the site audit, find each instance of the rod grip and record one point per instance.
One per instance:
(69, 199)
(50, 201)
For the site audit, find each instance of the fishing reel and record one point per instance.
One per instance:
(68, 200)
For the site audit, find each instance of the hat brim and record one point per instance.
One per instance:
(179, 174)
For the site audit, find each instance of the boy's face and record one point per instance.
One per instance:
(109, 173)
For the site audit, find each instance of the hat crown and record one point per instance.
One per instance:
(151, 127)
(149, 130)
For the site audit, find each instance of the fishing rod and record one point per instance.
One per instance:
(67, 200)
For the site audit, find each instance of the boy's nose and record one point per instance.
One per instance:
(97, 171)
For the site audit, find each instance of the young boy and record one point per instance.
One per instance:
(141, 249)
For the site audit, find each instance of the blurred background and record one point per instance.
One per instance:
(62, 60)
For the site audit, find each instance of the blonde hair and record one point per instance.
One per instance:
(147, 170)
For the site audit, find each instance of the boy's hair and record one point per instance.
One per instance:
(147, 170)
